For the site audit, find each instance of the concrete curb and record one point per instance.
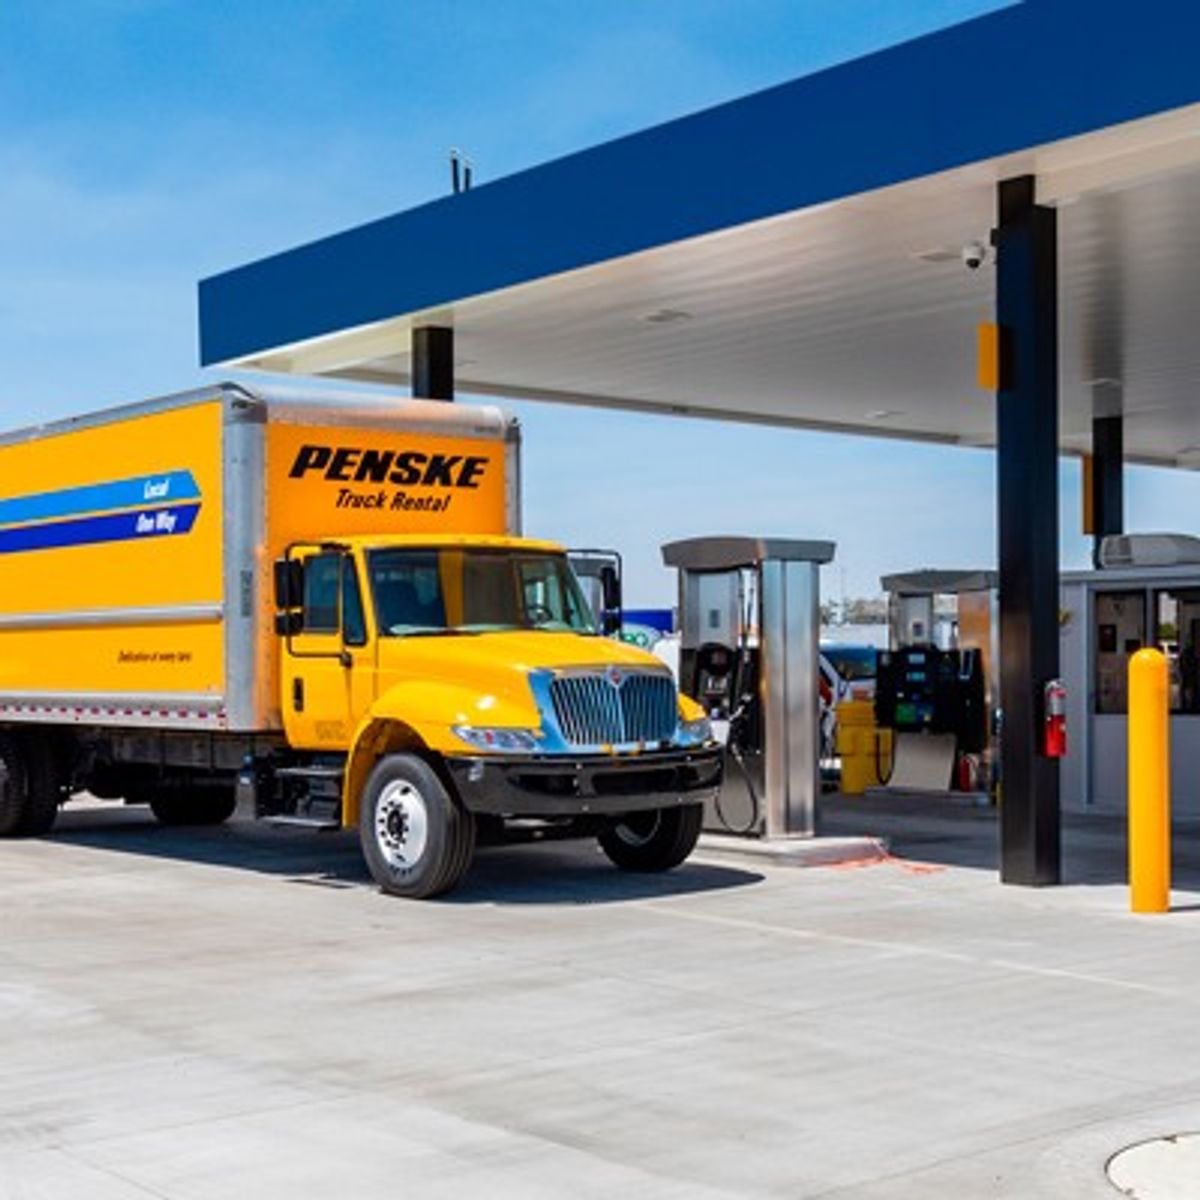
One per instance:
(794, 852)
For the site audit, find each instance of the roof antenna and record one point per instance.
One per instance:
(456, 171)
(468, 171)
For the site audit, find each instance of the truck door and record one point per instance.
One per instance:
(328, 663)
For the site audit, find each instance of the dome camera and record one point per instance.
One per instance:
(974, 255)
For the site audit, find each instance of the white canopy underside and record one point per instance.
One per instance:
(859, 315)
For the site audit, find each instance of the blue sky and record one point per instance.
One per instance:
(145, 144)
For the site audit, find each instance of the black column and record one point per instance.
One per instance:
(433, 362)
(1108, 492)
(1027, 474)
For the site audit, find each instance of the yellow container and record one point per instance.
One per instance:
(864, 749)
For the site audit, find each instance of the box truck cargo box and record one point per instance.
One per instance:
(135, 546)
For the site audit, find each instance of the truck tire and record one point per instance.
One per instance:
(416, 836)
(14, 787)
(653, 841)
(44, 790)
(193, 806)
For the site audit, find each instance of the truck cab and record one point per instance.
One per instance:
(433, 687)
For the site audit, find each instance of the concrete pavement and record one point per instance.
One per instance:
(198, 1014)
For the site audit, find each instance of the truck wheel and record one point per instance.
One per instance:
(14, 788)
(416, 836)
(199, 806)
(653, 841)
(44, 790)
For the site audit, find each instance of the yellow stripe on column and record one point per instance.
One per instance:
(988, 356)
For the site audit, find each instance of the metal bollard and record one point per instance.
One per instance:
(1149, 783)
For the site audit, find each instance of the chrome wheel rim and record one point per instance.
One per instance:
(401, 825)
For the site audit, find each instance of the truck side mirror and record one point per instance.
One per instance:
(289, 622)
(289, 583)
(610, 590)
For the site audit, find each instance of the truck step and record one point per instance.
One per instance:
(334, 774)
(323, 823)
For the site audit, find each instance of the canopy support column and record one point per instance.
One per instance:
(1108, 469)
(1027, 475)
(433, 362)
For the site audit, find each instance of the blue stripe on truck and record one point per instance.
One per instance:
(163, 488)
(111, 527)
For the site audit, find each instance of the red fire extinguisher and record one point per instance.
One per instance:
(1054, 722)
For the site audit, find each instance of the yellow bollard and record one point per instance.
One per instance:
(1149, 784)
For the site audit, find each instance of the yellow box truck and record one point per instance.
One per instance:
(318, 610)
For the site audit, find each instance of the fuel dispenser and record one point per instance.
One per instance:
(934, 687)
(749, 621)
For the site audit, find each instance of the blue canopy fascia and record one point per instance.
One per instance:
(1015, 79)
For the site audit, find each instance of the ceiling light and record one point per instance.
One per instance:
(664, 316)
(883, 414)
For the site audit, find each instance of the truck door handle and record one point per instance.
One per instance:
(298, 694)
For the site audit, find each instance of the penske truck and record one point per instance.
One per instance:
(318, 610)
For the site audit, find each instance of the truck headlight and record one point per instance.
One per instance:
(504, 741)
(695, 733)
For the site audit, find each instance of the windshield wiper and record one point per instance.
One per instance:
(430, 632)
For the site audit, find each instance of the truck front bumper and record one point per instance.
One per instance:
(600, 785)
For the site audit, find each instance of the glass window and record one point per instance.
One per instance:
(852, 662)
(354, 624)
(408, 591)
(322, 578)
(1120, 631)
(552, 597)
(489, 592)
(1177, 633)
(475, 591)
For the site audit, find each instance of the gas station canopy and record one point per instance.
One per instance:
(795, 256)
(815, 255)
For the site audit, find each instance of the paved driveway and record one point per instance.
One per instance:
(237, 1012)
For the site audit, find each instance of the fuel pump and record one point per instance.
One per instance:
(726, 681)
(749, 622)
(934, 688)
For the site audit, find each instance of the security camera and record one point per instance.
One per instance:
(974, 255)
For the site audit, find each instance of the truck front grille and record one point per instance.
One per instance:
(613, 708)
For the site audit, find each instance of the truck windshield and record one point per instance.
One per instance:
(461, 590)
